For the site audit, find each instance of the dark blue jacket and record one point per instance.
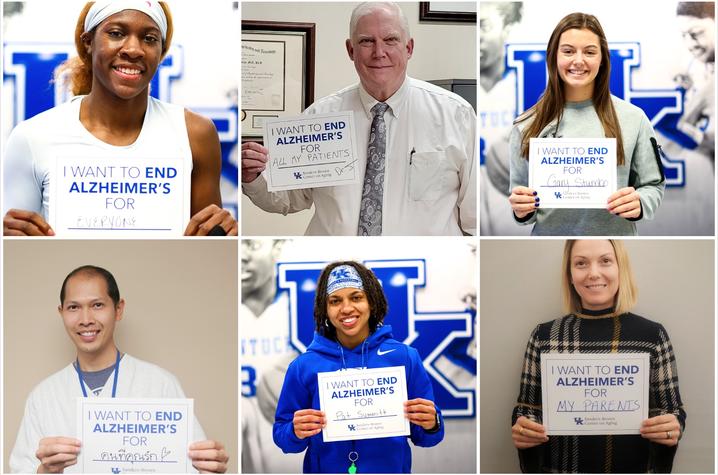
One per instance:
(388, 454)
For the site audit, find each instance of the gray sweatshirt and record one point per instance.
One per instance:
(640, 170)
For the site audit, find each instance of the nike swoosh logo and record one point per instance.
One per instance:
(381, 353)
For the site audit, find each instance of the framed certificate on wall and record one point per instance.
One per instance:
(277, 72)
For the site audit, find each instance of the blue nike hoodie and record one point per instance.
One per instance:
(381, 455)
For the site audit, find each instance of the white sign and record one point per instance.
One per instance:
(111, 197)
(593, 394)
(573, 173)
(121, 435)
(311, 151)
(363, 404)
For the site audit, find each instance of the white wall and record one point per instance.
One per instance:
(520, 287)
(441, 51)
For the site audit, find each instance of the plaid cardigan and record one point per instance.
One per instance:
(626, 333)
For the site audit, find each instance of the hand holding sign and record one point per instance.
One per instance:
(527, 433)
(421, 412)
(254, 161)
(664, 429)
(625, 202)
(57, 453)
(208, 456)
(308, 422)
(524, 201)
(19, 222)
(202, 223)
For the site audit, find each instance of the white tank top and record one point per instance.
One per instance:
(33, 145)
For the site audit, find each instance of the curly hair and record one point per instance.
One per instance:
(76, 72)
(372, 288)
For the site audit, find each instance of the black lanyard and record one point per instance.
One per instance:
(114, 382)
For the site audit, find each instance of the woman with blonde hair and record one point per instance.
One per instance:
(599, 292)
(577, 103)
(120, 44)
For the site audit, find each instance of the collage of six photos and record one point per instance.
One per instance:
(419, 307)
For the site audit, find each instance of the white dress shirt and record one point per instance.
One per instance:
(430, 175)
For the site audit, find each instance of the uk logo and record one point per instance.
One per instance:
(663, 107)
(437, 336)
(298, 175)
(578, 421)
(557, 194)
(340, 273)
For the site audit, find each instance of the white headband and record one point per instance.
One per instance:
(342, 277)
(101, 10)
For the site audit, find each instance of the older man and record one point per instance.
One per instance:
(415, 142)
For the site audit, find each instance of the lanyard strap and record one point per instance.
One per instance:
(114, 382)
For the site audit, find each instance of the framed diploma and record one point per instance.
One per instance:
(277, 72)
(462, 12)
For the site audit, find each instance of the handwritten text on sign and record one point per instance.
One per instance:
(363, 404)
(594, 393)
(136, 435)
(311, 151)
(572, 173)
(114, 197)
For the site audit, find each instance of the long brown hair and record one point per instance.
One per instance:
(78, 70)
(553, 100)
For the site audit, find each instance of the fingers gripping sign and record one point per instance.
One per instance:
(664, 429)
(527, 433)
(308, 422)
(421, 412)
(625, 203)
(209, 456)
(57, 453)
(524, 201)
(254, 160)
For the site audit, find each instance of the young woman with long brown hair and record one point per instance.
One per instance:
(577, 103)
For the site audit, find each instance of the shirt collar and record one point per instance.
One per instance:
(396, 102)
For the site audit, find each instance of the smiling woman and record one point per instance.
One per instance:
(349, 311)
(120, 45)
(599, 292)
(577, 103)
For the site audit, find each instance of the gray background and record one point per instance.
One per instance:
(520, 287)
